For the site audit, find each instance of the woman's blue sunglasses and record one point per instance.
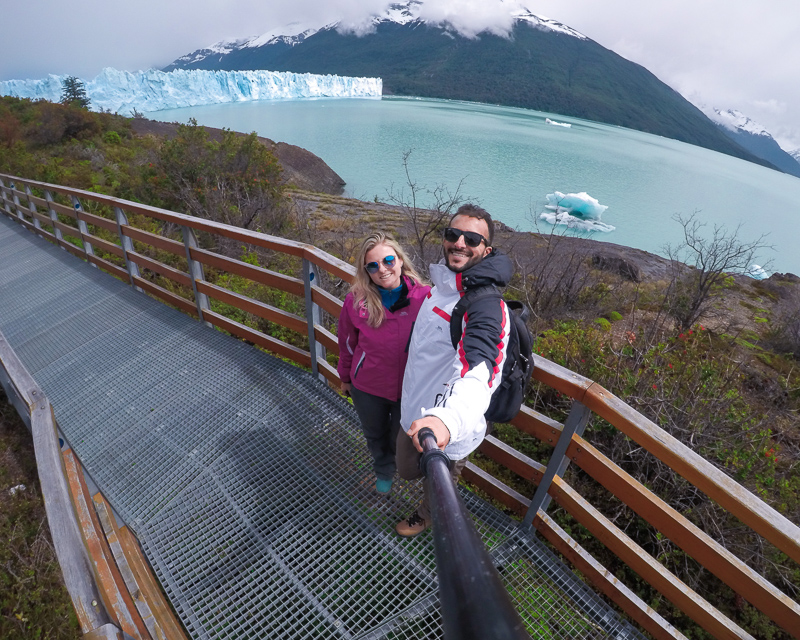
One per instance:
(372, 267)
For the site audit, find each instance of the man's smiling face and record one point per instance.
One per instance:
(458, 255)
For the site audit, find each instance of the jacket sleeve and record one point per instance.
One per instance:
(348, 339)
(477, 369)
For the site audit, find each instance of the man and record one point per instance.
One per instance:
(448, 390)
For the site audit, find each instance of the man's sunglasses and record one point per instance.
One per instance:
(372, 267)
(471, 239)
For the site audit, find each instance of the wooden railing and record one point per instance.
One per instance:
(68, 541)
(118, 236)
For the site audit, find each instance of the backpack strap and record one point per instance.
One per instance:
(462, 308)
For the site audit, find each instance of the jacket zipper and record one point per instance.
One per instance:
(360, 362)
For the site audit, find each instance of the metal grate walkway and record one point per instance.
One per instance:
(246, 479)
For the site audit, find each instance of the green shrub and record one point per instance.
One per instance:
(112, 137)
(604, 324)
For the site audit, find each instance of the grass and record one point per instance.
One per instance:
(33, 600)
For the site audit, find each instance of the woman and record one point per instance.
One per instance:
(374, 331)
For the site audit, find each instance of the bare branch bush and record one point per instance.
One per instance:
(426, 209)
(710, 260)
(554, 275)
(784, 335)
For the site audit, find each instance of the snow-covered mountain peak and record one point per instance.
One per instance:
(225, 46)
(753, 137)
(291, 34)
(546, 24)
(401, 13)
(734, 120)
(221, 48)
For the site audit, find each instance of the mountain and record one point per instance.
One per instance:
(755, 138)
(542, 65)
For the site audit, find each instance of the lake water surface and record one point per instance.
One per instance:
(509, 159)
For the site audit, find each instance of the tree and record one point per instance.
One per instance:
(73, 92)
(710, 260)
(235, 179)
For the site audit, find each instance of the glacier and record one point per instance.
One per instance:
(577, 211)
(123, 91)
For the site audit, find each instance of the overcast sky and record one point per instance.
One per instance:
(730, 54)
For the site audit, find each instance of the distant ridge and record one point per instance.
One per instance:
(755, 138)
(542, 65)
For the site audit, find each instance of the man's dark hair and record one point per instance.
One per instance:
(474, 211)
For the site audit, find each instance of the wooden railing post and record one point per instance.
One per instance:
(54, 217)
(84, 230)
(313, 317)
(6, 204)
(17, 205)
(32, 207)
(127, 246)
(195, 272)
(575, 424)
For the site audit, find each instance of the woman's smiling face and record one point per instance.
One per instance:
(385, 277)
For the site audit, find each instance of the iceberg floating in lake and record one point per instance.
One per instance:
(151, 90)
(558, 124)
(758, 272)
(578, 211)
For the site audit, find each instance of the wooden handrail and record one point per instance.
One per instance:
(159, 242)
(725, 491)
(256, 274)
(64, 527)
(260, 309)
(686, 535)
(333, 265)
(729, 494)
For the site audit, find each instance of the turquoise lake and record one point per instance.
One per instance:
(509, 160)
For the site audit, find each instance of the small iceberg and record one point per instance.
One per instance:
(757, 272)
(578, 211)
(558, 124)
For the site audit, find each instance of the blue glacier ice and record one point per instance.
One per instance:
(122, 91)
(578, 211)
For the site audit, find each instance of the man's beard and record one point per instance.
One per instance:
(472, 260)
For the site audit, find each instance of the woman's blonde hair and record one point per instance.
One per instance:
(365, 291)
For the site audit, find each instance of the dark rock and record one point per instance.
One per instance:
(307, 171)
(619, 265)
(783, 286)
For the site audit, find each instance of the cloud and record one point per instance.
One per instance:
(471, 17)
(773, 106)
(466, 17)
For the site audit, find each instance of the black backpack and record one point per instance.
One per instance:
(518, 367)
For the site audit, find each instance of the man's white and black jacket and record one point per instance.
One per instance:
(457, 385)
